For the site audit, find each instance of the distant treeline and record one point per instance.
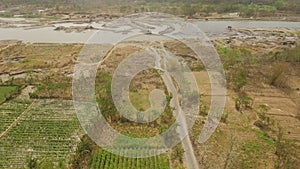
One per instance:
(259, 2)
(286, 5)
(292, 5)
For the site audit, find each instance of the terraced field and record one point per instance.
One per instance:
(47, 131)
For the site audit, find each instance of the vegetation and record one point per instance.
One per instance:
(240, 79)
(89, 155)
(32, 163)
(7, 92)
(45, 163)
(53, 90)
(232, 57)
(109, 111)
(285, 152)
(106, 160)
(246, 8)
(177, 157)
(243, 102)
(83, 154)
(45, 133)
(290, 55)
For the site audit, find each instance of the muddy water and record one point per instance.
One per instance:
(48, 35)
(221, 26)
(43, 35)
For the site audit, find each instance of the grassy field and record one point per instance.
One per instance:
(7, 92)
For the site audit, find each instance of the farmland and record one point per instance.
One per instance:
(259, 128)
(44, 132)
(106, 160)
(39, 126)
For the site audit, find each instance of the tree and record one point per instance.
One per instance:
(188, 10)
(281, 5)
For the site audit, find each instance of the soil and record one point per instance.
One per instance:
(237, 142)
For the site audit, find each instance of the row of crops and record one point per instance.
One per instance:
(106, 160)
(9, 111)
(48, 130)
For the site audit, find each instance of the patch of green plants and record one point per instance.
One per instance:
(85, 149)
(45, 132)
(9, 111)
(224, 117)
(111, 114)
(203, 110)
(252, 147)
(256, 149)
(234, 56)
(177, 155)
(240, 79)
(107, 160)
(249, 154)
(243, 102)
(7, 92)
(45, 163)
(263, 136)
(58, 87)
(286, 152)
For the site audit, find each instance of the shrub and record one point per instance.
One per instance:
(277, 77)
(243, 103)
(224, 117)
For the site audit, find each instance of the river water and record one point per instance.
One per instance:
(48, 35)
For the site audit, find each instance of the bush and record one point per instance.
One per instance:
(224, 117)
(277, 77)
(33, 95)
(243, 103)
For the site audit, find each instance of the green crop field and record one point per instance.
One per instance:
(9, 111)
(106, 160)
(48, 130)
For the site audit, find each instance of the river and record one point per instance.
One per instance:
(48, 35)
